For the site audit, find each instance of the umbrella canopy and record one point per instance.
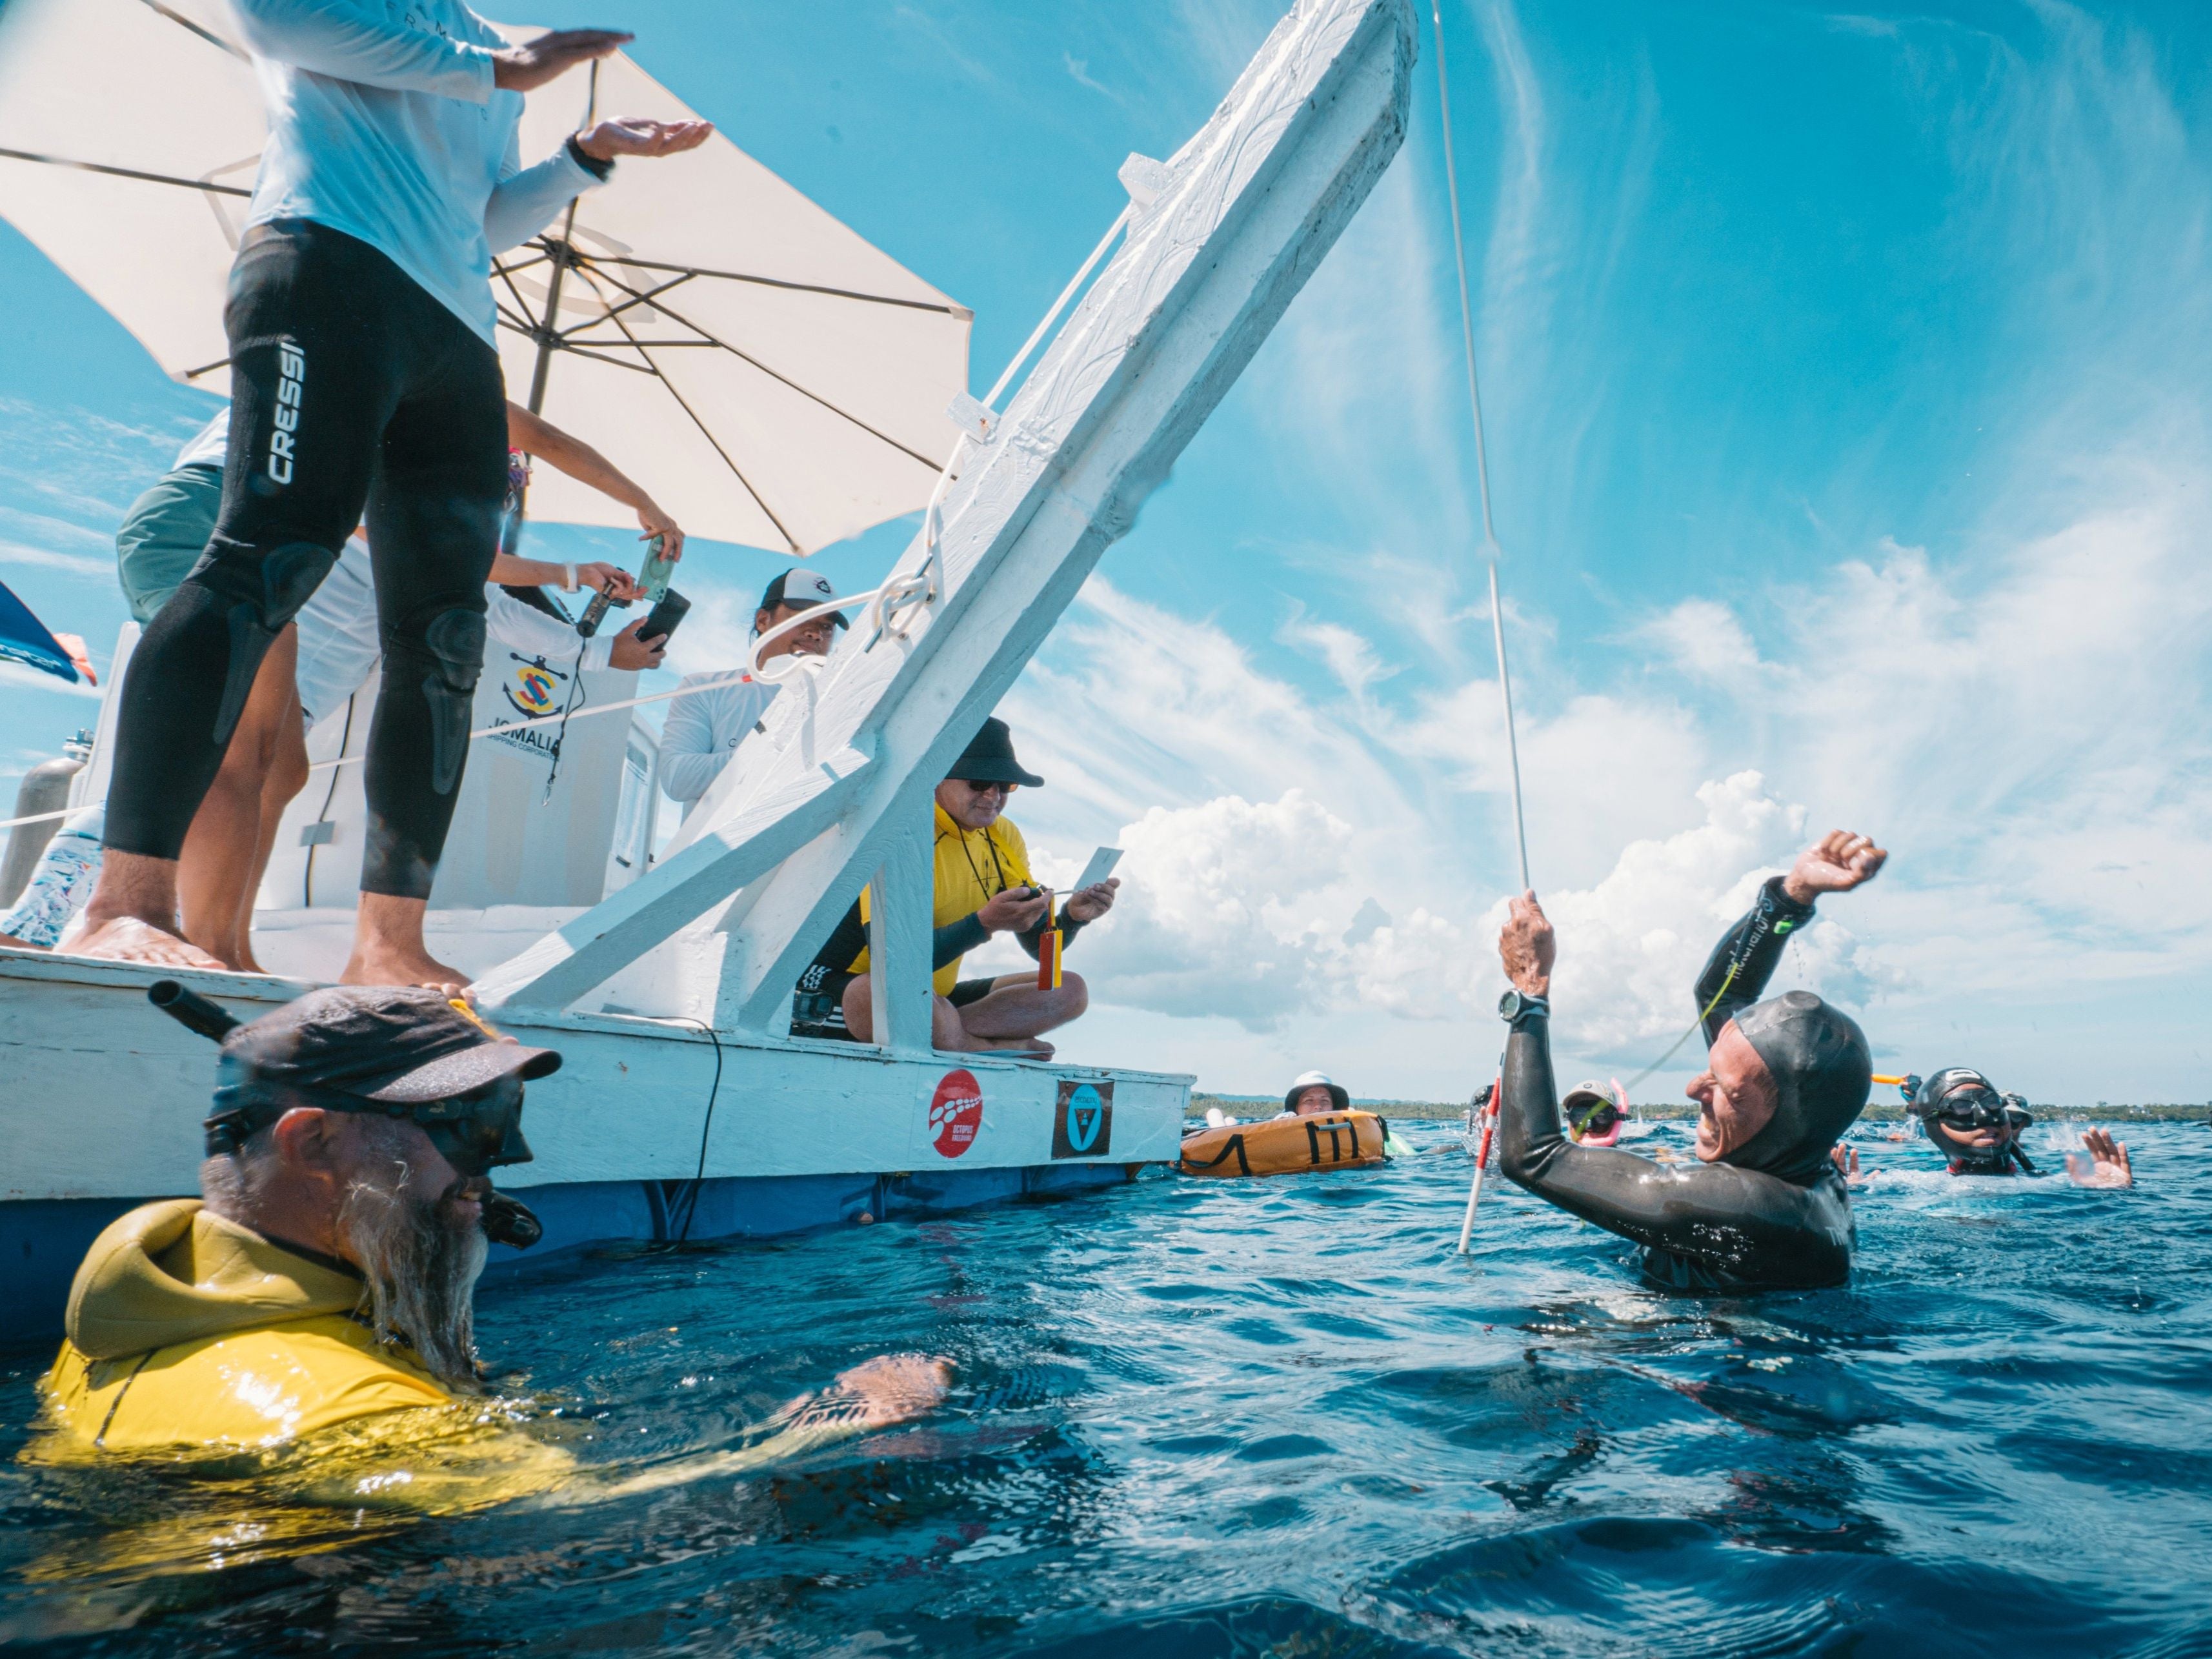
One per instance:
(772, 378)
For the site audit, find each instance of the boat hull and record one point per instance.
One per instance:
(101, 1099)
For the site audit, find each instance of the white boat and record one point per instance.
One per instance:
(683, 1110)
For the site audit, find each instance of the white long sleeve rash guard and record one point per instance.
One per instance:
(704, 728)
(384, 123)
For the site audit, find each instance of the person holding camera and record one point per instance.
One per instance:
(982, 886)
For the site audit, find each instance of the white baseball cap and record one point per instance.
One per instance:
(802, 590)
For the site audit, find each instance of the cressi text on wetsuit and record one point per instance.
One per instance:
(1773, 1214)
(363, 375)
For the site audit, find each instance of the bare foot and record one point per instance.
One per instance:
(888, 1389)
(127, 938)
(377, 963)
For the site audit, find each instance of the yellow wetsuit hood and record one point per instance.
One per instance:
(174, 1273)
(186, 1329)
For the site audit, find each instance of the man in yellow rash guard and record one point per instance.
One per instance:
(982, 886)
(324, 1285)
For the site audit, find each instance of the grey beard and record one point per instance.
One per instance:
(421, 1266)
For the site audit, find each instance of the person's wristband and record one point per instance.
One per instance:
(590, 163)
(567, 578)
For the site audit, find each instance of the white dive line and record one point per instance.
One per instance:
(1489, 547)
(1489, 532)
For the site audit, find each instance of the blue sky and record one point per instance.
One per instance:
(1844, 376)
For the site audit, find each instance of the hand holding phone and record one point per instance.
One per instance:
(661, 622)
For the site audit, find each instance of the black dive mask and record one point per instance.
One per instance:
(476, 1131)
(1966, 1101)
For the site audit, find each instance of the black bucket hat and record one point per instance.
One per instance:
(989, 758)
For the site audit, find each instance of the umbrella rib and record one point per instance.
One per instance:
(522, 306)
(584, 270)
(635, 300)
(949, 308)
(586, 266)
(125, 172)
(211, 37)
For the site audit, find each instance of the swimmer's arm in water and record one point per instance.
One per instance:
(426, 1463)
(1846, 1159)
(874, 1395)
(1736, 974)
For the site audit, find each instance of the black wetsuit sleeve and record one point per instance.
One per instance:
(1742, 964)
(1721, 1225)
(850, 937)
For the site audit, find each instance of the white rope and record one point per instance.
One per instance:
(1490, 548)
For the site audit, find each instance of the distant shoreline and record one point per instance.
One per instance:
(1668, 1111)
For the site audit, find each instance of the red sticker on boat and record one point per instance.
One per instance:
(956, 1113)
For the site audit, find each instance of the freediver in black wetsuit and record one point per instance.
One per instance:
(1764, 1207)
(1976, 1128)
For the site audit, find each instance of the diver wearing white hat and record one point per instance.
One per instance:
(1313, 1094)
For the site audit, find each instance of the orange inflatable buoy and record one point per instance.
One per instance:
(1285, 1146)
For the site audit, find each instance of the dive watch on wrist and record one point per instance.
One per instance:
(1514, 1007)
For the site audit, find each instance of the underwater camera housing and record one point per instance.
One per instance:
(506, 1220)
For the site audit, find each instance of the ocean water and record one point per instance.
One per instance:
(1198, 1418)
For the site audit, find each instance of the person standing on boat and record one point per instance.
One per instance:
(982, 886)
(713, 714)
(363, 375)
(1764, 1207)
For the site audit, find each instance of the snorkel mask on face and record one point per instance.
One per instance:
(405, 1054)
(1964, 1100)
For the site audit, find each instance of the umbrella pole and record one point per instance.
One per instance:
(551, 322)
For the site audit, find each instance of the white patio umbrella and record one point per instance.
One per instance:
(772, 378)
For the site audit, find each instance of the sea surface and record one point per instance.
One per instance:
(1198, 1418)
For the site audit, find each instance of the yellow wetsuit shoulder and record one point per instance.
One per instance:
(258, 1386)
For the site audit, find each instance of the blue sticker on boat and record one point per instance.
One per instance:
(1083, 1122)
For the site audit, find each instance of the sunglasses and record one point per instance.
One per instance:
(974, 787)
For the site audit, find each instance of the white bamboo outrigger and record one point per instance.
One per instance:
(683, 1110)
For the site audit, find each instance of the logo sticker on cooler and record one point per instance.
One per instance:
(956, 1114)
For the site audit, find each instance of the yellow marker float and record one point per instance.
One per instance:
(1286, 1145)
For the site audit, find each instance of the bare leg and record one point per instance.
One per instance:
(133, 915)
(945, 1027)
(1016, 1011)
(287, 776)
(388, 948)
(222, 861)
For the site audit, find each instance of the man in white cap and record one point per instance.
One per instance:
(705, 728)
(1314, 1094)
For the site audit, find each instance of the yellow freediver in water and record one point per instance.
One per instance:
(313, 1310)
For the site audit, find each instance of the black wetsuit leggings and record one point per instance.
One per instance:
(350, 386)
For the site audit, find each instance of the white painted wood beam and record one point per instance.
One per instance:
(901, 904)
(1249, 207)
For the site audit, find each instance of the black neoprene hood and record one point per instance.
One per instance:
(1823, 1071)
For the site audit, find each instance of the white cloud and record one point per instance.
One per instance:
(77, 564)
